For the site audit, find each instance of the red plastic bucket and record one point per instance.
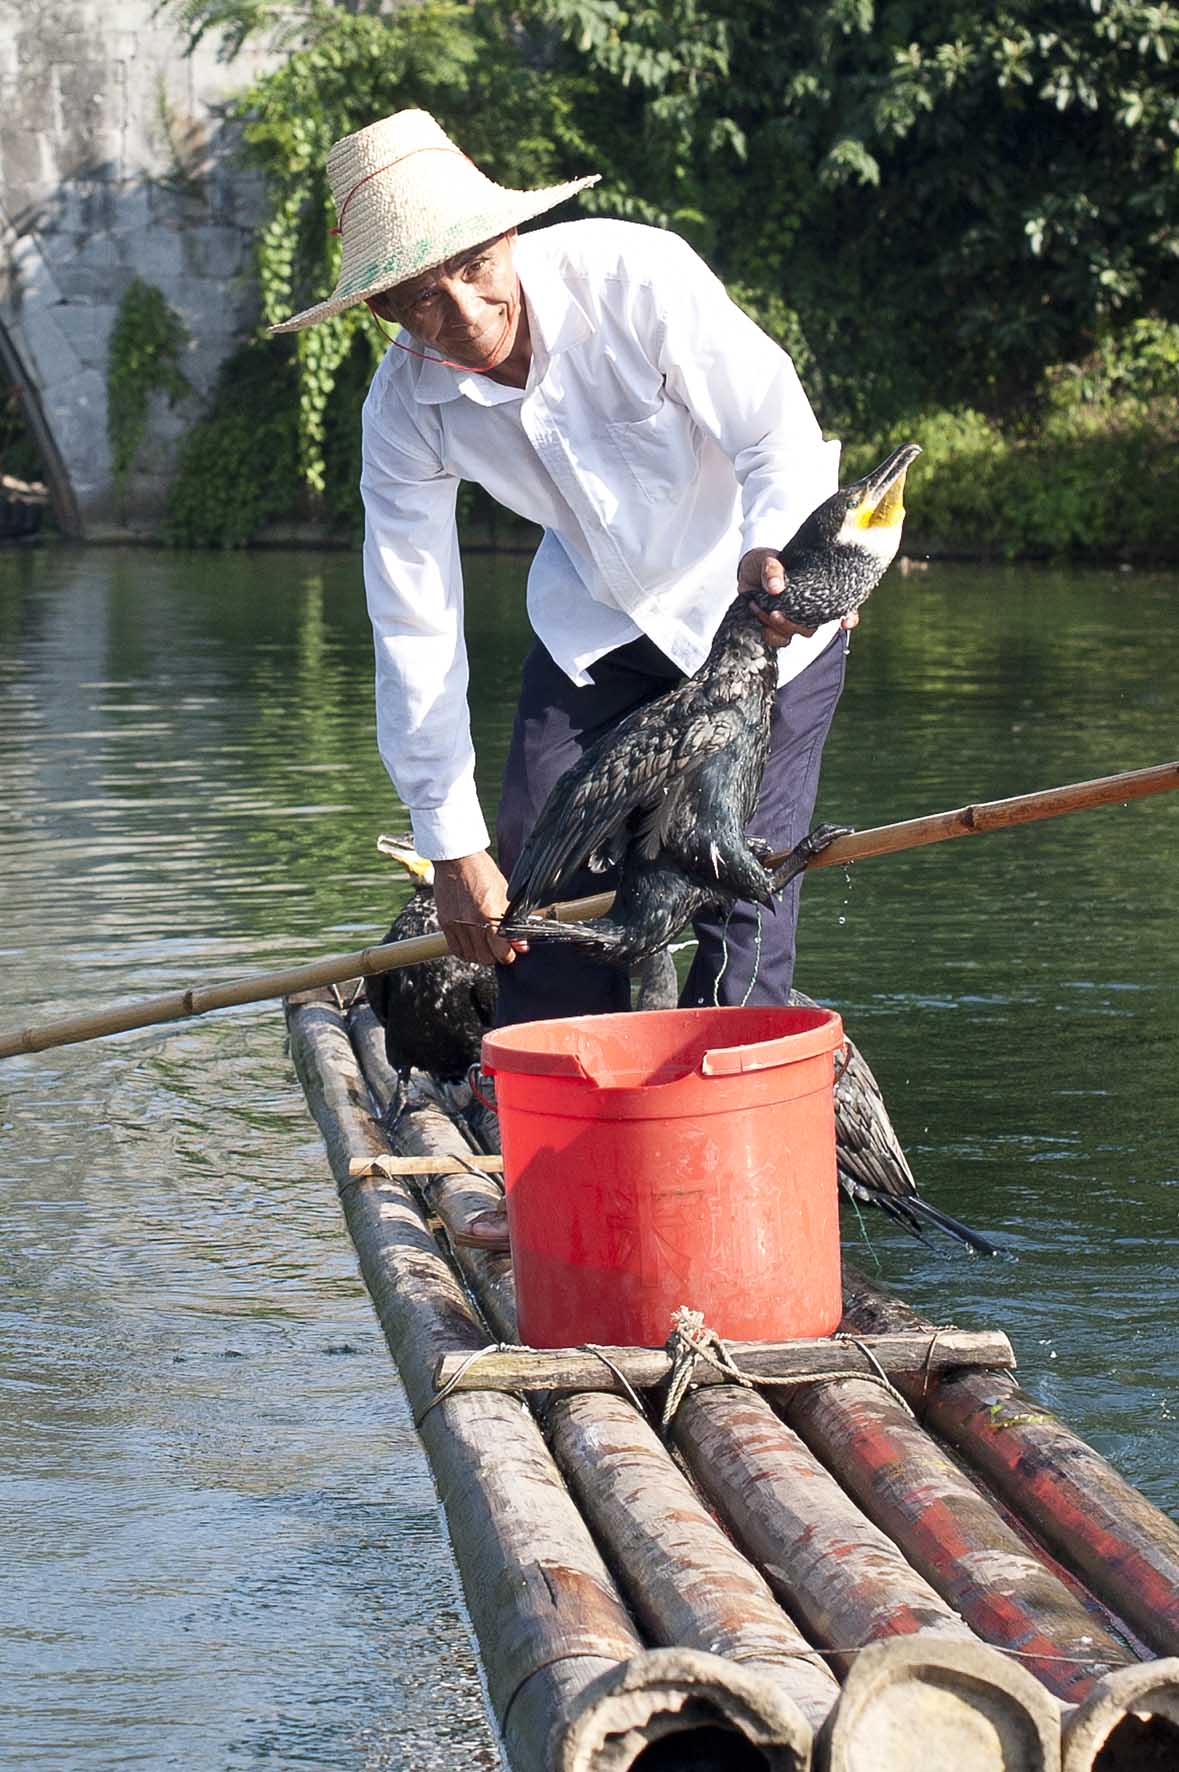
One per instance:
(678, 1157)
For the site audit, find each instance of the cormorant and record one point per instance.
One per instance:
(869, 1160)
(435, 1013)
(668, 792)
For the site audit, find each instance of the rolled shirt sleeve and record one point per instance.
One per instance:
(413, 583)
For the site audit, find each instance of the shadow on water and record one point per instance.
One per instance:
(230, 1554)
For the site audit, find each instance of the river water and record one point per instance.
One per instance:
(223, 1549)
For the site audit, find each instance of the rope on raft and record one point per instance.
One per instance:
(691, 1341)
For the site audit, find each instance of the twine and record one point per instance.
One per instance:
(507, 1347)
(692, 1341)
(426, 148)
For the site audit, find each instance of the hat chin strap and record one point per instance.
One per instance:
(467, 368)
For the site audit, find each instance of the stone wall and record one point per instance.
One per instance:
(114, 163)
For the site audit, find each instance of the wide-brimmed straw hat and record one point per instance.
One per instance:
(407, 200)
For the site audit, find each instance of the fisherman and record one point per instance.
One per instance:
(594, 377)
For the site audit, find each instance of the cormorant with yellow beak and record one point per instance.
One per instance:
(667, 793)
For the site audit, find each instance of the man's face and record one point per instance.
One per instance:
(468, 308)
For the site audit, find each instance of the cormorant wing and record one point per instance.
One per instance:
(643, 766)
(869, 1151)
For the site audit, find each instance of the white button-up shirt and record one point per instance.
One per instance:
(660, 436)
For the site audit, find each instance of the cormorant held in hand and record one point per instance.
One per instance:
(436, 1012)
(667, 794)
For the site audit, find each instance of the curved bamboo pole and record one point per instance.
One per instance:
(912, 833)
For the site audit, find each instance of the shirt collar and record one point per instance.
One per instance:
(556, 319)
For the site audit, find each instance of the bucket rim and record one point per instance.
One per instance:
(580, 1057)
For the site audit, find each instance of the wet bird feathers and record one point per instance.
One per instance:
(666, 795)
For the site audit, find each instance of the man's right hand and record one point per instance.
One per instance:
(472, 895)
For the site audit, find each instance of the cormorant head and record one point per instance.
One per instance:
(842, 551)
(868, 514)
(402, 851)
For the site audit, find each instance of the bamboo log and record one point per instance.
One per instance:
(689, 1584)
(1129, 1723)
(772, 1364)
(832, 1570)
(435, 1156)
(954, 1535)
(546, 1611)
(935, 827)
(685, 1580)
(917, 1702)
(1123, 1547)
(725, 1715)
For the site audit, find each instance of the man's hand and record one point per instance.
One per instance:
(472, 895)
(762, 569)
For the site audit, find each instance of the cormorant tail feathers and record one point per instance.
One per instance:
(915, 1207)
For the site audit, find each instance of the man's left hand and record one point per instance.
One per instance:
(762, 569)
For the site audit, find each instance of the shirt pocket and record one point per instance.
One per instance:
(661, 452)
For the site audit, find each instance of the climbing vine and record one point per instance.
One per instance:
(146, 343)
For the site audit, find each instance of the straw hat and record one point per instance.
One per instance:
(406, 200)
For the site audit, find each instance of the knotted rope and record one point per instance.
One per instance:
(691, 1340)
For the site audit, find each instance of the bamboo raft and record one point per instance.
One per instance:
(866, 1554)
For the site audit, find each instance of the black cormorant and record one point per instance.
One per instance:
(869, 1160)
(436, 1012)
(668, 792)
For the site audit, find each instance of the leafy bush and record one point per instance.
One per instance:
(239, 465)
(146, 342)
(1089, 481)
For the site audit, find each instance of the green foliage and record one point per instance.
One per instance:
(1091, 478)
(238, 467)
(19, 454)
(146, 343)
(933, 206)
(949, 197)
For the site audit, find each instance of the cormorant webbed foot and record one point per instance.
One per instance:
(805, 851)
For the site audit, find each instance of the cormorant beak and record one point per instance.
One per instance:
(881, 505)
(402, 851)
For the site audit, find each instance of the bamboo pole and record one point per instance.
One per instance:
(835, 1572)
(546, 1611)
(954, 1536)
(679, 1570)
(935, 827)
(772, 1364)
(999, 815)
(1122, 1546)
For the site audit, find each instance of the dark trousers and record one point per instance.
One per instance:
(744, 956)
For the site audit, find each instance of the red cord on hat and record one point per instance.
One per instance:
(426, 148)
